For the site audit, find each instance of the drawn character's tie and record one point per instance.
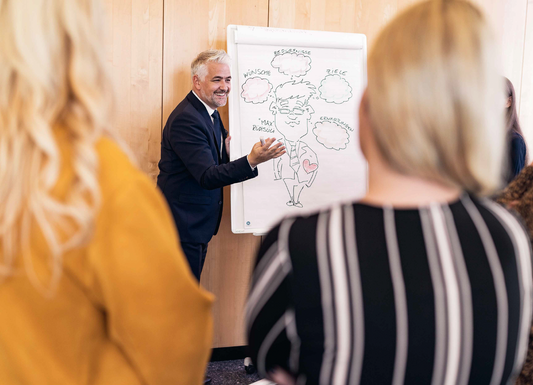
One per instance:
(295, 163)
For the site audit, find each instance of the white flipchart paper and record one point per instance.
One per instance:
(307, 97)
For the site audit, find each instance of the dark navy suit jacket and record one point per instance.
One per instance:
(192, 171)
(517, 155)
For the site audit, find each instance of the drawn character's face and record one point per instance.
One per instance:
(291, 117)
(215, 87)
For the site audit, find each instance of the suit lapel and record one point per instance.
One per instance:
(201, 109)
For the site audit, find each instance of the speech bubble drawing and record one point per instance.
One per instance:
(331, 135)
(292, 64)
(335, 89)
(255, 90)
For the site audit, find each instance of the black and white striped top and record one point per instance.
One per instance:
(441, 294)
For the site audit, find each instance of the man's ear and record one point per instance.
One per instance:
(196, 82)
(273, 108)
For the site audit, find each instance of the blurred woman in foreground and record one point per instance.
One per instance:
(94, 288)
(423, 281)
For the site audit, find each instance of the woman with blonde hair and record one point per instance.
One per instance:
(94, 288)
(423, 281)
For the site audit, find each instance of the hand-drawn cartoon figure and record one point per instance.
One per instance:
(298, 166)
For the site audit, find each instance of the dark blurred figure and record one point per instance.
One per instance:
(518, 150)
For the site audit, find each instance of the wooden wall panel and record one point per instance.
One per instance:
(133, 40)
(189, 28)
(357, 16)
(318, 15)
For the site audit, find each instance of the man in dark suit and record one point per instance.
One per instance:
(195, 162)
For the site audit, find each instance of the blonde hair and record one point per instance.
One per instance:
(434, 96)
(52, 78)
(199, 64)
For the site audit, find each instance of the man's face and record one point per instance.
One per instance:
(291, 117)
(215, 87)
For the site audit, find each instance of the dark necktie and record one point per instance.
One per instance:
(218, 130)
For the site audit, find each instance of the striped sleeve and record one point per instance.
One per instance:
(522, 282)
(268, 314)
(439, 294)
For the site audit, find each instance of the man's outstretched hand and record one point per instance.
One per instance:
(262, 152)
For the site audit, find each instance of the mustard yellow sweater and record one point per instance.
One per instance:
(127, 309)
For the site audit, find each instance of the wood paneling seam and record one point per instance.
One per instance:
(268, 14)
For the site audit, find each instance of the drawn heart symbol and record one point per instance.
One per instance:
(309, 167)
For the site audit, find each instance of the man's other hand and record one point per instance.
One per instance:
(226, 143)
(261, 153)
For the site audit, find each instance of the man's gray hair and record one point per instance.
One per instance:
(199, 64)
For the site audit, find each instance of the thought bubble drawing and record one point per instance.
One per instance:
(292, 64)
(335, 89)
(331, 135)
(255, 90)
